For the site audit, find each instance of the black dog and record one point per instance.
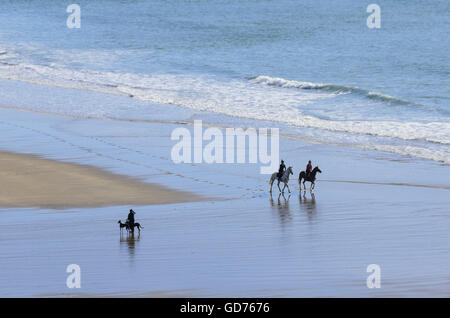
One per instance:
(122, 225)
(128, 228)
(138, 227)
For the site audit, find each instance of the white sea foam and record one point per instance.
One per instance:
(238, 98)
(284, 83)
(281, 82)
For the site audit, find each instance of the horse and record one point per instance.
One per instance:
(311, 178)
(284, 178)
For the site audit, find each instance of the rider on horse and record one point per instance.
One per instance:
(308, 168)
(281, 170)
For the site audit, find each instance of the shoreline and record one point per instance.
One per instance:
(188, 122)
(367, 208)
(32, 181)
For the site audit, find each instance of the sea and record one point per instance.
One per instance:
(313, 68)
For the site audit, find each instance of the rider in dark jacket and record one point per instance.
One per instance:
(281, 170)
(130, 219)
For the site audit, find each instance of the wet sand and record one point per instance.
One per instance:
(301, 245)
(368, 208)
(30, 181)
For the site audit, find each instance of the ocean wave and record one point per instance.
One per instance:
(338, 89)
(235, 98)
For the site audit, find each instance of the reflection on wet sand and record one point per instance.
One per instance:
(308, 204)
(283, 207)
(130, 240)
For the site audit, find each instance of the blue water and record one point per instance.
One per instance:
(311, 66)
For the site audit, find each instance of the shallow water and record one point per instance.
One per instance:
(370, 107)
(313, 246)
(251, 245)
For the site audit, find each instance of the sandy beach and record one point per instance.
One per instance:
(183, 111)
(366, 209)
(29, 181)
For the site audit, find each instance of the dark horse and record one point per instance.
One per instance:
(311, 178)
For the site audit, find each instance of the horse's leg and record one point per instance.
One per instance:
(271, 185)
(304, 185)
(279, 186)
(287, 185)
(284, 187)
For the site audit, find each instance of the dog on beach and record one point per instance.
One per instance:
(139, 227)
(123, 225)
(127, 226)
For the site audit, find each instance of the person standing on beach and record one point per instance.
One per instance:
(130, 220)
